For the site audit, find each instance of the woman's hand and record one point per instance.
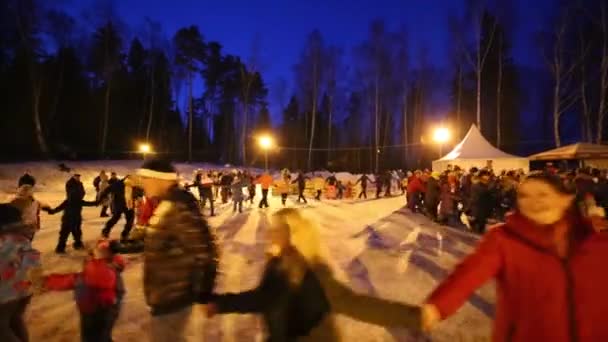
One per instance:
(430, 317)
(212, 310)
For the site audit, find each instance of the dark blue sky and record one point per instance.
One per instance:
(281, 25)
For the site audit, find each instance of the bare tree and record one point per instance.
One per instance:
(603, 91)
(562, 70)
(309, 72)
(477, 14)
(27, 16)
(583, 45)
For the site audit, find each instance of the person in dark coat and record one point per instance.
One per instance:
(250, 178)
(388, 180)
(225, 184)
(481, 202)
(301, 181)
(204, 184)
(431, 196)
(123, 203)
(298, 294)
(71, 221)
(363, 180)
(180, 253)
(379, 181)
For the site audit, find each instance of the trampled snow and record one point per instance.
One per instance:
(375, 246)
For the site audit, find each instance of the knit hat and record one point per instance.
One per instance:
(158, 169)
(26, 179)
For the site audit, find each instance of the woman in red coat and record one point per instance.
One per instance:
(549, 266)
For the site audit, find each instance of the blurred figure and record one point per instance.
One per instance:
(123, 203)
(301, 181)
(28, 206)
(481, 201)
(99, 290)
(415, 189)
(101, 183)
(180, 254)
(265, 182)
(319, 184)
(298, 293)
(363, 180)
(431, 196)
(546, 261)
(20, 272)
(237, 193)
(71, 221)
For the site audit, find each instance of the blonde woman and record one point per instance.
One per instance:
(298, 292)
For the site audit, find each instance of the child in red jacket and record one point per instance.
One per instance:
(98, 291)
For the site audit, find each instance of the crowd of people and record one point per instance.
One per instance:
(545, 257)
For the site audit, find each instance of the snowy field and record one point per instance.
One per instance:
(375, 246)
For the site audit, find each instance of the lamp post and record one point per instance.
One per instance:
(144, 149)
(441, 135)
(266, 142)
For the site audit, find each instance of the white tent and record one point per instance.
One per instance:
(475, 151)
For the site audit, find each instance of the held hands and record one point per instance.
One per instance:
(430, 317)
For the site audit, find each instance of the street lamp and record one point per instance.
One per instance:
(266, 142)
(145, 148)
(441, 135)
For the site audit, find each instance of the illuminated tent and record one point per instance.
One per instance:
(475, 151)
(590, 154)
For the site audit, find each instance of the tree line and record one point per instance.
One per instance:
(74, 88)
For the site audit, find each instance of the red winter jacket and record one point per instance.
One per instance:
(96, 287)
(539, 296)
(415, 184)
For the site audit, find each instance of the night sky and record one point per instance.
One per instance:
(280, 26)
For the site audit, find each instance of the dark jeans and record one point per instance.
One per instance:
(264, 201)
(431, 209)
(283, 198)
(207, 197)
(104, 211)
(413, 200)
(363, 193)
(378, 192)
(479, 224)
(238, 204)
(129, 216)
(301, 195)
(318, 197)
(68, 227)
(12, 324)
(251, 195)
(97, 326)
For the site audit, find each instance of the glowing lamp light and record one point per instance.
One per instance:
(145, 148)
(441, 135)
(265, 142)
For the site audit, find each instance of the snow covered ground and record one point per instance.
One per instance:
(375, 246)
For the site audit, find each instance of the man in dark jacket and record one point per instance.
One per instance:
(363, 180)
(379, 180)
(431, 197)
(204, 184)
(301, 181)
(122, 203)
(225, 183)
(71, 221)
(481, 202)
(180, 253)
